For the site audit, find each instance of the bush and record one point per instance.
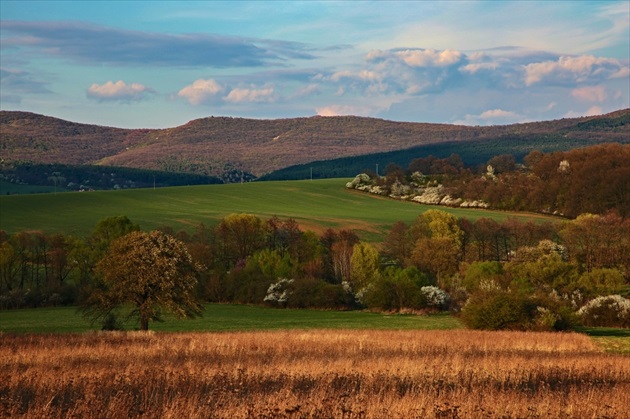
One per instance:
(398, 289)
(498, 310)
(505, 310)
(308, 293)
(606, 311)
(435, 297)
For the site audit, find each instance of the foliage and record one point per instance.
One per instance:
(557, 183)
(150, 272)
(364, 265)
(396, 289)
(435, 297)
(609, 310)
(499, 309)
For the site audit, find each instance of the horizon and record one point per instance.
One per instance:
(139, 64)
(313, 116)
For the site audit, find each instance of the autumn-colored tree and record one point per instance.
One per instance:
(438, 243)
(598, 241)
(398, 243)
(438, 224)
(437, 256)
(502, 163)
(337, 250)
(239, 236)
(150, 272)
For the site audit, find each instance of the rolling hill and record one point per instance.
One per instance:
(216, 144)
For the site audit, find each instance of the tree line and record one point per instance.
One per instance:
(593, 179)
(509, 274)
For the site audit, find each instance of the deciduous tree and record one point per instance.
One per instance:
(149, 271)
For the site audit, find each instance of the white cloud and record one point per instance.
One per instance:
(473, 68)
(238, 95)
(339, 110)
(200, 91)
(590, 93)
(623, 73)
(418, 57)
(592, 111)
(571, 70)
(118, 91)
(491, 117)
(430, 57)
(497, 114)
(364, 75)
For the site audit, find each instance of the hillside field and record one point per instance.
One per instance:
(315, 205)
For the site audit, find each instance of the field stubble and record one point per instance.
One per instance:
(315, 373)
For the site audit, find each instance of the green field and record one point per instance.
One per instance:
(315, 205)
(234, 318)
(227, 317)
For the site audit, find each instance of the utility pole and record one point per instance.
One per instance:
(376, 169)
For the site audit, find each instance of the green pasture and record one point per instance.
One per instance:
(227, 317)
(233, 318)
(8, 188)
(315, 205)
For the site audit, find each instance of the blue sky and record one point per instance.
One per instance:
(157, 64)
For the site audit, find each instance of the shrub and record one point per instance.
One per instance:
(435, 297)
(397, 289)
(506, 310)
(498, 310)
(607, 311)
(309, 293)
(279, 292)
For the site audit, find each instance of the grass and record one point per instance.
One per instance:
(312, 374)
(609, 339)
(235, 318)
(8, 188)
(315, 205)
(227, 317)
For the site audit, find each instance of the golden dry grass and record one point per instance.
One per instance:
(312, 374)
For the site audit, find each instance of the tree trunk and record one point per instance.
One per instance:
(144, 323)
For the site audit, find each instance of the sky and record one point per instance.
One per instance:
(159, 64)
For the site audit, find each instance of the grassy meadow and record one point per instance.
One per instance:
(315, 205)
(226, 317)
(312, 374)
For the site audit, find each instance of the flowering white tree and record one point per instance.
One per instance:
(435, 297)
(279, 292)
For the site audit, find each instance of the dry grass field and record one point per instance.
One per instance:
(311, 374)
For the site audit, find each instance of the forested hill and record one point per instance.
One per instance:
(216, 144)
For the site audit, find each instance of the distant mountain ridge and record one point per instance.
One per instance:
(215, 144)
